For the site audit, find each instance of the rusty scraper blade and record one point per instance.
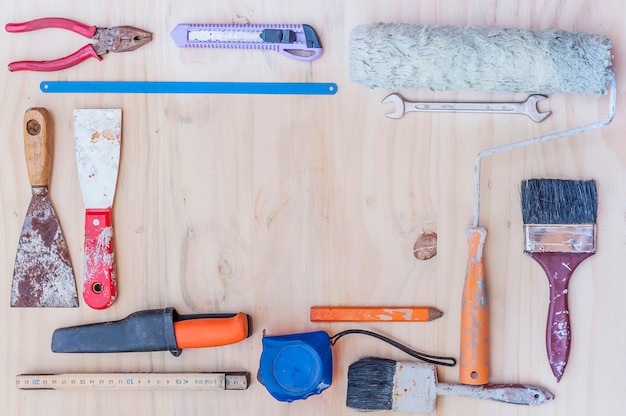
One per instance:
(43, 275)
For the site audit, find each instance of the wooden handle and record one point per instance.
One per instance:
(211, 332)
(69, 61)
(559, 268)
(520, 394)
(37, 146)
(558, 329)
(99, 287)
(52, 22)
(474, 359)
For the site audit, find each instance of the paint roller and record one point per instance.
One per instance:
(450, 58)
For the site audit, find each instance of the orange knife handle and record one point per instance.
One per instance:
(474, 359)
(37, 146)
(99, 288)
(211, 331)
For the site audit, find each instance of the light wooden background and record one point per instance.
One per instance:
(271, 204)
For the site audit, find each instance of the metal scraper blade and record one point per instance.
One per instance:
(97, 134)
(43, 275)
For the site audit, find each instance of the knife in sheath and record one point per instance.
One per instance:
(97, 141)
(154, 330)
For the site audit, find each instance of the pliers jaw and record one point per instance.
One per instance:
(119, 39)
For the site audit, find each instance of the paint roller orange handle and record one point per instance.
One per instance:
(211, 332)
(474, 359)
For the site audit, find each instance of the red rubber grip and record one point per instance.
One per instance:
(52, 23)
(77, 57)
(99, 287)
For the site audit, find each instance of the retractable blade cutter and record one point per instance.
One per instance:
(293, 41)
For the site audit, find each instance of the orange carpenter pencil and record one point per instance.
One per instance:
(373, 314)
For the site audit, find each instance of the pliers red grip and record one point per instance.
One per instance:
(115, 39)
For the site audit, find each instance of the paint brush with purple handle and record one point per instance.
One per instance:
(559, 227)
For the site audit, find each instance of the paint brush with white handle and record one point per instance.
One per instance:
(382, 384)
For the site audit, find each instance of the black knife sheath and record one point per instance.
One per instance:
(150, 330)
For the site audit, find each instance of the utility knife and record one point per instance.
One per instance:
(294, 41)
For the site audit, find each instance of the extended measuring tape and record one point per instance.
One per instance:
(134, 381)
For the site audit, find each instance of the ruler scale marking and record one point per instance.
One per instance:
(133, 381)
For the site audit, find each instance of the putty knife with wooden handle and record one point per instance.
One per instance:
(43, 275)
(381, 384)
(97, 140)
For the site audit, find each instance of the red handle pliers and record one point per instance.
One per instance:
(115, 39)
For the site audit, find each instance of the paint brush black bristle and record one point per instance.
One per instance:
(559, 201)
(370, 384)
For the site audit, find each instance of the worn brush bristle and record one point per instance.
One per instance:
(370, 384)
(559, 201)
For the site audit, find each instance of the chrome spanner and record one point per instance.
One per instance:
(527, 107)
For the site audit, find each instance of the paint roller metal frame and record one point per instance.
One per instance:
(541, 139)
(474, 360)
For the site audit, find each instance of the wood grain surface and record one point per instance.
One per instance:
(269, 205)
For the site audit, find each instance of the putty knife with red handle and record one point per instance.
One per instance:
(97, 140)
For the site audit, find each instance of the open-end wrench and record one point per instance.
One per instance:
(527, 107)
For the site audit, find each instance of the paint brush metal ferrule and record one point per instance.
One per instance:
(560, 238)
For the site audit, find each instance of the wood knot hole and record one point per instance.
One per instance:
(426, 246)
